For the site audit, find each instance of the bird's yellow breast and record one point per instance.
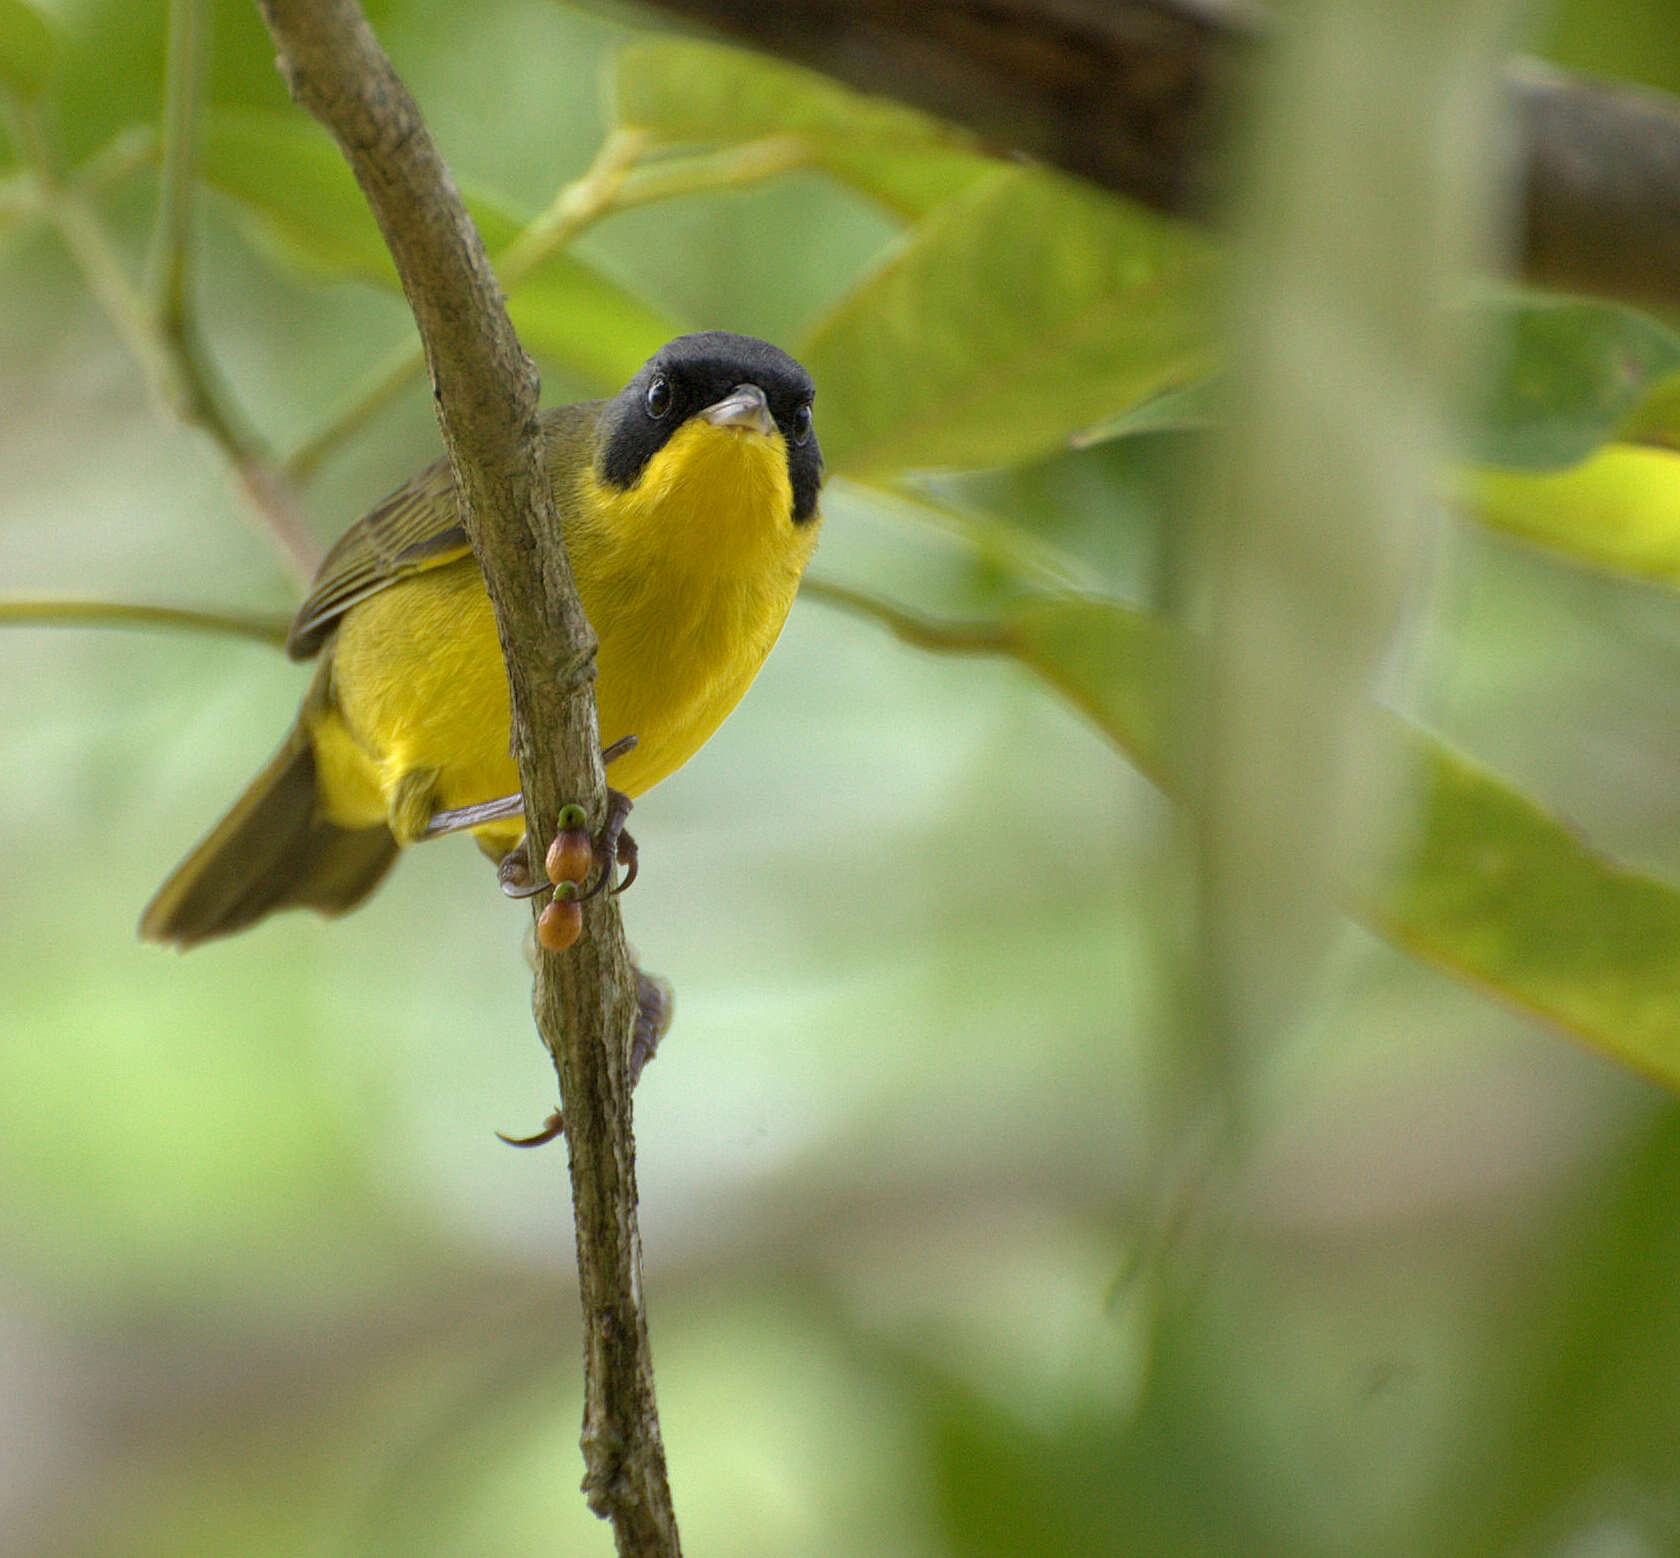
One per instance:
(687, 578)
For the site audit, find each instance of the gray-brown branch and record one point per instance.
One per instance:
(486, 391)
(1126, 93)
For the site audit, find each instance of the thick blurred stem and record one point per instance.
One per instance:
(585, 1003)
(1369, 191)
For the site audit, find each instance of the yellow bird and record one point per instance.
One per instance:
(688, 503)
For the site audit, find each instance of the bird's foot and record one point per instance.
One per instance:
(613, 847)
(655, 1004)
(610, 848)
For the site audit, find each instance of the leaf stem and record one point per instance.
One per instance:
(974, 637)
(575, 207)
(130, 149)
(183, 78)
(264, 627)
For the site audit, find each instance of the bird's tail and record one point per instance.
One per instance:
(271, 851)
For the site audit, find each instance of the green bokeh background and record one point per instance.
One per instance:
(268, 1283)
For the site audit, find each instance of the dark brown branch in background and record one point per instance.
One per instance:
(486, 391)
(1603, 199)
(1125, 92)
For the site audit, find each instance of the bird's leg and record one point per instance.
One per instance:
(473, 816)
(655, 1003)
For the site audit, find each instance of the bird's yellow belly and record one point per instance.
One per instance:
(416, 718)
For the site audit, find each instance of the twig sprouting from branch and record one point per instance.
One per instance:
(612, 183)
(486, 392)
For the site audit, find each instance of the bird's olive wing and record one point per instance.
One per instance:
(416, 528)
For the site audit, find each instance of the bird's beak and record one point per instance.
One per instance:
(744, 406)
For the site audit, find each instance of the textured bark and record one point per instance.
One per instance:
(486, 391)
(1127, 93)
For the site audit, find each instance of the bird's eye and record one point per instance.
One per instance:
(658, 398)
(801, 424)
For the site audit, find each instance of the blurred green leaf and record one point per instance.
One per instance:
(1569, 374)
(1501, 893)
(304, 207)
(26, 48)
(1008, 1489)
(1495, 890)
(1014, 316)
(1638, 40)
(1593, 1341)
(1618, 511)
(1100, 1487)
(684, 92)
(1655, 416)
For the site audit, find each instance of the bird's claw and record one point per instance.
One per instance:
(613, 845)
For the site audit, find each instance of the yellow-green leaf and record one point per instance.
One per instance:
(1618, 511)
(26, 49)
(1016, 315)
(1514, 901)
